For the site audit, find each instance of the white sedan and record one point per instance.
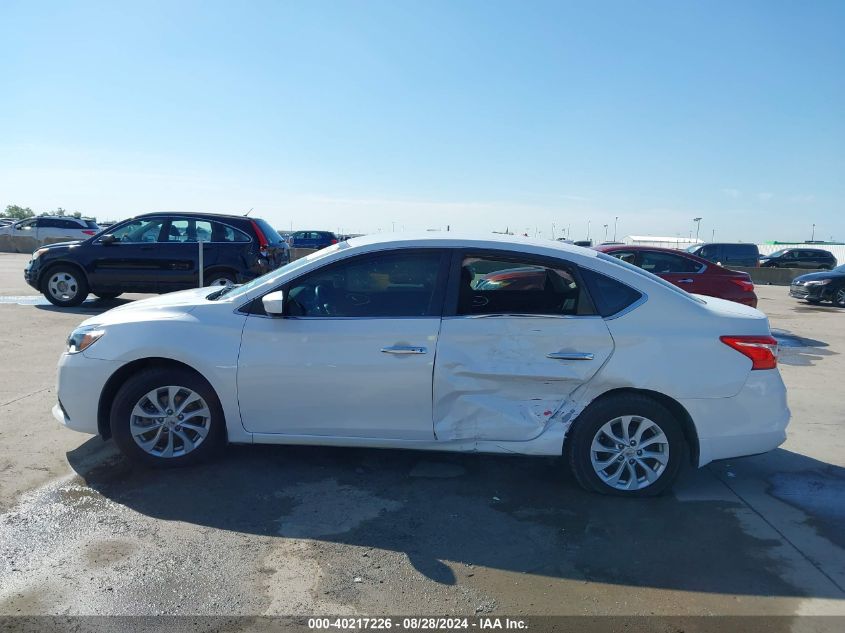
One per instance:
(437, 342)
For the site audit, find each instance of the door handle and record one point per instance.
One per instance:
(685, 281)
(570, 356)
(404, 349)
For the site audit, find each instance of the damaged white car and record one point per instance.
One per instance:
(437, 342)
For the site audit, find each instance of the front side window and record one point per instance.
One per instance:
(625, 256)
(139, 231)
(385, 285)
(493, 286)
(662, 263)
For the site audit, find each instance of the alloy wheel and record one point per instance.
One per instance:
(170, 421)
(629, 453)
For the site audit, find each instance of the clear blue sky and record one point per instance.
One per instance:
(481, 115)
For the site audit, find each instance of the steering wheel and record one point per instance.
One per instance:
(324, 296)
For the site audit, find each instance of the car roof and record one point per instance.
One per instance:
(451, 239)
(194, 213)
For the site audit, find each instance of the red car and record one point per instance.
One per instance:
(687, 271)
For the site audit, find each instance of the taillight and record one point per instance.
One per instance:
(762, 350)
(746, 285)
(262, 240)
(89, 232)
(334, 240)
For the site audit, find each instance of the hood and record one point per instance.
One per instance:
(168, 306)
(827, 274)
(61, 245)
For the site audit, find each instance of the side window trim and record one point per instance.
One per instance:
(450, 305)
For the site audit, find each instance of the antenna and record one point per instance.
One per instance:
(246, 215)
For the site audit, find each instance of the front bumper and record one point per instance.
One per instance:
(31, 273)
(80, 383)
(814, 292)
(753, 421)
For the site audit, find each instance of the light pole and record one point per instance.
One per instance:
(697, 226)
(605, 232)
(615, 221)
(588, 230)
(813, 236)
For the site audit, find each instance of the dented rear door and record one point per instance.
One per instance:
(506, 366)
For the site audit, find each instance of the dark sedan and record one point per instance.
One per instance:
(156, 252)
(824, 286)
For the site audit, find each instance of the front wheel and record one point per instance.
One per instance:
(167, 417)
(219, 279)
(627, 445)
(839, 298)
(65, 286)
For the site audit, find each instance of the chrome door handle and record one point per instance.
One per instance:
(685, 281)
(570, 356)
(404, 349)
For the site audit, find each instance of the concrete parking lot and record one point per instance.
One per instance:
(298, 530)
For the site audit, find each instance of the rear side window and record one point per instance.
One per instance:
(493, 286)
(660, 263)
(739, 250)
(609, 296)
(91, 224)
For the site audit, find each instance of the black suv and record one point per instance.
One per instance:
(727, 254)
(814, 258)
(156, 252)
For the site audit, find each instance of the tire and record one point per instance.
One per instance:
(108, 295)
(219, 279)
(839, 297)
(65, 286)
(610, 413)
(166, 433)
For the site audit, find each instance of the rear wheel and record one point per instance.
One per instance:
(167, 417)
(627, 445)
(65, 286)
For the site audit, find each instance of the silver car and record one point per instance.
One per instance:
(27, 235)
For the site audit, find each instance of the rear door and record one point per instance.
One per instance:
(520, 335)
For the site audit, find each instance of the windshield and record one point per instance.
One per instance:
(839, 269)
(239, 291)
(645, 273)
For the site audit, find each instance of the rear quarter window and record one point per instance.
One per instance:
(609, 295)
(270, 233)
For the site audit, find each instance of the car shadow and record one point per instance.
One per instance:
(799, 350)
(518, 514)
(89, 306)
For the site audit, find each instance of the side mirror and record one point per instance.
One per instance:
(107, 239)
(274, 303)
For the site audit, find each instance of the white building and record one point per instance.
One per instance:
(660, 242)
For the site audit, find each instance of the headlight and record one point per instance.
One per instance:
(820, 282)
(83, 337)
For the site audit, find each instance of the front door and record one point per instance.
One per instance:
(132, 262)
(523, 337)
(354, 354)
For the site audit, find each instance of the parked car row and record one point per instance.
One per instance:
(156, 252)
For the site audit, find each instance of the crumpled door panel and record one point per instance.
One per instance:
(493, 379)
